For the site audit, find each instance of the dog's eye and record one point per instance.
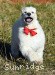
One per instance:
(25, 12)
(32, 12)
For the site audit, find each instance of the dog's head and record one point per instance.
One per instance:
(29, 14)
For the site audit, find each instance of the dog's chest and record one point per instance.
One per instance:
(27, 39)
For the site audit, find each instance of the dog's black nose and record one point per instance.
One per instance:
(28, 14)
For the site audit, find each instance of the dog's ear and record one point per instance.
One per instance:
(22, 9)
(34, 9)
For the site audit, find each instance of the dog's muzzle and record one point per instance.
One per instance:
(28, 19)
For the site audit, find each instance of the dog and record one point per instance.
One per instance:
(28, 36)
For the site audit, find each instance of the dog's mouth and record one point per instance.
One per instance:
(28, 19)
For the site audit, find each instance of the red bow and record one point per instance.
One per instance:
(31, 31)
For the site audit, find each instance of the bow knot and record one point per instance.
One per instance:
(31, 31)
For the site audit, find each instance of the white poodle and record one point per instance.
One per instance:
(28, 36)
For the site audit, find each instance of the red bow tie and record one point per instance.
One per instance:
(31, 31)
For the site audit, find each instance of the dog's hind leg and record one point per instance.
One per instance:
(14, 50)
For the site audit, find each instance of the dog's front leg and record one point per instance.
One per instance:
(39, 53)
(29, 54)
(36, 57)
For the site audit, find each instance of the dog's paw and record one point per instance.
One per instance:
(38, 62)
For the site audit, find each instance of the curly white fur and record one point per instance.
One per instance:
(31, 47)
